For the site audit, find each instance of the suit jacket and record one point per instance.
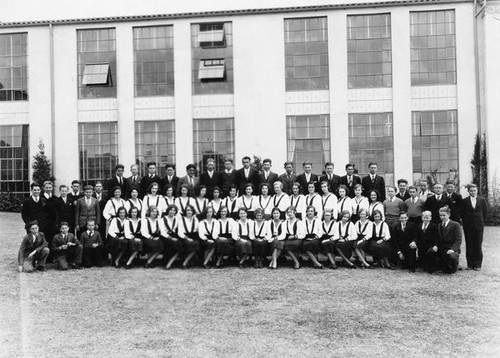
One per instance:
(87, 240)
(355, 180)
(287, 182)
(185, 181)
(378, 184)
(241, 180)
(301, 179)
(59, 240)
(333, 183)
(113, 181)
(210, 183)
(28, 246)
(403, 197)
(450, 237)
(271, 178)
(84, 212)
(455, 206)
(174, 182)
(403, 239)
(428, 238)
(134, 185)
(474, 217)
(63, 212)
(433, 205)
(146, 181)
(32, 210)
(227, 180)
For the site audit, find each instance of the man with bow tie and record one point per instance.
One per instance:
(33, 251)
(66, 249)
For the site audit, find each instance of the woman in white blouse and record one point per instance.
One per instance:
(200, 202)
(328, 200)
(153, 198)
(375, 204)
(359, 202)
(183, 201)
(169, 232)
(169, 195)
(280, 200)
(364, 230)
(134, 202)
(314, 199)
(225, 244)
(328, 237)
(312, 231)
(243, 235)
(264, 201)
(294, 235)
(230, 203)
(112, 205)
(216, 202)
(116, 236)
(277, 237)
(209, 233)
(298, 200)
(247, 201)
(150, 231)
(188, 233)
(261, 237)
(344, 203)
(380, 245)
(133, 235)
(345, 236)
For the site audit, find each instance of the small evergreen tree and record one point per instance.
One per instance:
(479, 165)
(42, 170)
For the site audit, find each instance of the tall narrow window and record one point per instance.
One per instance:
(14, 159)
(154, 61)
(98, 146)
(213, 138)
(212, 58)
(433, 53)
(96, 63)
(369, 51)
(308, 139)
(155, 142)
(13, 67)
(371, 140)
(306, 54)
(435, 144)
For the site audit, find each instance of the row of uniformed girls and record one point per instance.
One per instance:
(326, 201)
(216, 239)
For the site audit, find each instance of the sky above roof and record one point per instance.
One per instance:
(31, 10)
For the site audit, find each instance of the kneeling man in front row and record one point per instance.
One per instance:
(33, 251)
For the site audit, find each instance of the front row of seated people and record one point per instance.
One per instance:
(215, 240)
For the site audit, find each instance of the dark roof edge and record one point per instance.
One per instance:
(361, 5)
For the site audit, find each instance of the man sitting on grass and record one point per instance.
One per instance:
(33, 251)
(67, 249)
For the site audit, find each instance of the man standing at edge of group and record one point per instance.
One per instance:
(474, 212)
(267, 176)
(288, 178)
(210, 178)
(246, 175)
(307, 176)
(332, 179)
(350, 179)
(455, 201)
(374, 181)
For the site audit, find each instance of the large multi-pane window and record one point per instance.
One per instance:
(98, 146)
(13, 67)
(435, 143)
(212, 58)
(371, 140)
(155, 142)
(213, 138)
(14, 159)
(308, 139)
(96, 63)
(432, 36)
(306, 54)
(369, 51)
(154, 61)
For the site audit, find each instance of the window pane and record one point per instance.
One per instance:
(213, 138)
(14, 160)
(13, 67)
(152, 138)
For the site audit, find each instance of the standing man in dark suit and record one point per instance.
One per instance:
(210, 178)
(118, 180)
(267, 176)
(190, 180)
(170, 179)
(47, 221)
(87, 208)
(32, 209)
(228, 177)
(403, 193)
(436, 202)
(374, 181)
(306, 177)
(134, 181)
(406, 242)
(63, 208)
(350, 179)
(455, 201)
(450, 239)
(73, 196)
(147, 180)
(332, 179)
(101, 199)
(288, 178)
(246, 175)
(474, 213)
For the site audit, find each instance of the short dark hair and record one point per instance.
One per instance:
(307, 163)
(245, 158)
(267, 160)
(63, 223)
(170, 166)
(402, 181)
(34, 184)
(148, 164)
(349, 165)
(88, 187)
(287, 163)
(228, 160)
(190, 166)
(76, 181)
(372, 163)
(119, 166)
(328, 164)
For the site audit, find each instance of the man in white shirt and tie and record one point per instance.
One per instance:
(332, 179)
(267, 176)
(32, 207)
(307, 176)
(246, 175)
(190, 180)
(134, 181)
(87, 208)
(119, 180)
(350, 180)
(170, 179)
(373, 181)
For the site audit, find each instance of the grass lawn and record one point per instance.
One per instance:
(231, 312)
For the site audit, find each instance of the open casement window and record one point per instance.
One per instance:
(211, 35)
(213, 69)
(97, 75)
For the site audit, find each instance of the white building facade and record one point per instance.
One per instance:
(406, 85)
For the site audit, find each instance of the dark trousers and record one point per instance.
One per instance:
(410, 258)
(449, 263)
(474, 246)
(93, 256)
(428, 259)
(72, 255)
(37, 260)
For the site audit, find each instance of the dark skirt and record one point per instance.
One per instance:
(293, 245)
(116, 245)
(381, 250)
(134, 245)
(225, 246)
(260, 248)
(363, 245)
(277, 244)
(191, 244)
(153, 246)
(312, 245)
(327, 245)
(172, 245)
(244, 246)
(345, 247)
(207, 244)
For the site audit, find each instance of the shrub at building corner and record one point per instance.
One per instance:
(42, 168)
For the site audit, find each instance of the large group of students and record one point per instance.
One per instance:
(252, 217)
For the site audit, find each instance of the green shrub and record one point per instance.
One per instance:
(10, 202)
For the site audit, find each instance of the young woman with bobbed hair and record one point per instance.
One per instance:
(312, 230)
